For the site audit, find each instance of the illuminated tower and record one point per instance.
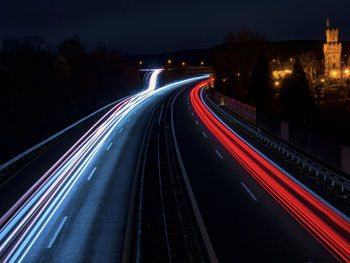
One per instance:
(332, 53)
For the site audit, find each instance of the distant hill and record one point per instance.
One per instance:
(190, 56)
(280, 49)
(285, 49)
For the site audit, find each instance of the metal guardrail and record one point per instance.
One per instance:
(312, 166)
(25, 153)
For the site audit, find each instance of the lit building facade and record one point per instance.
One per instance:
(332, 53)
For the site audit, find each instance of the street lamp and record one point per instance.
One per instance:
(202, 63)
(183, 63)
(169, 61)
(140, 62)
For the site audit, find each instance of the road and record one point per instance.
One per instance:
(77, 211)
(244, 222)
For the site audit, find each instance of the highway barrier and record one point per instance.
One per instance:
(311, 165)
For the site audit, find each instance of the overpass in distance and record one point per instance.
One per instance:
(163, 176)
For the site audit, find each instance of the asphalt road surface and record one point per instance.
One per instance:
(81, 210)
(78, 212)
(244, 222)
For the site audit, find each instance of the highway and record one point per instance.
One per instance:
(77, 210)
(247, 209)
(246, 220)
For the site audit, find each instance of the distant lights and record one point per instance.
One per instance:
(183, 63)
(202, 63)
(169, 61)
(277, 83)
(140, 62)
(277, 74)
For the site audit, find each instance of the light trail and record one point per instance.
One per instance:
(23, 223)
(329, 226)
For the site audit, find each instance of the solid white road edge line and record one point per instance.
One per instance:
(202, 228)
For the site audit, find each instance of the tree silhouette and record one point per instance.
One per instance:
(296, 100)
(260, 92)
(42, 92)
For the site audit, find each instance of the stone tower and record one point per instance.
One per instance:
(332, 53)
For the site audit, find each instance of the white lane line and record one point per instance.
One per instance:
(249, 192)
(197, 122)
(204, 134)
(128, 119)
(92, 173)
(121, 129)
(57, 232)
(199, 219)
(189, 108)
(109, 146)
(217, 152)
(192, 113)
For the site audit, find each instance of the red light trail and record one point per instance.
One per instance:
(330, 228)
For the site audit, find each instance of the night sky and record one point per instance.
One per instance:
(137, 26)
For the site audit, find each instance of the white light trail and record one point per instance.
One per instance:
(24, 222)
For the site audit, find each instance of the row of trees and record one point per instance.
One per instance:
(243, 72)
(45, 89)
(293, 101)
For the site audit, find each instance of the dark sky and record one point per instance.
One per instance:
(137, 26)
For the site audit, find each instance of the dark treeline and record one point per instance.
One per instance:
(243, 67)
(45, 90)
